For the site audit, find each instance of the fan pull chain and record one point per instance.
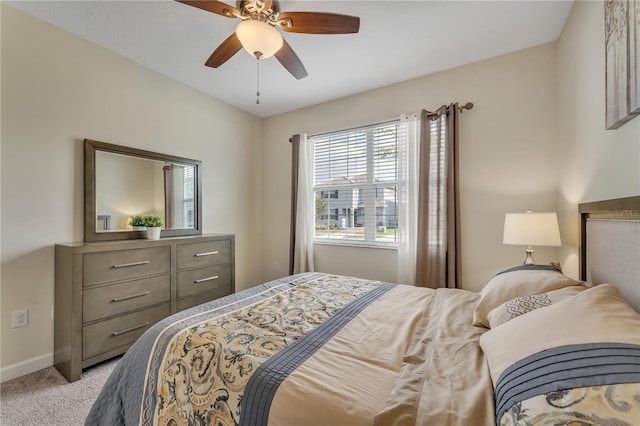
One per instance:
(258, 55)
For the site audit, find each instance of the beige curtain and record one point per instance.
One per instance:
(302, 204)
(438, 262)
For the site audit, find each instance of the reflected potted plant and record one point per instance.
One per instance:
(154, 224)
(137, 222)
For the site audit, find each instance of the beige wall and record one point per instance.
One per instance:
(58, 89)
(597, 164)
(507, 160)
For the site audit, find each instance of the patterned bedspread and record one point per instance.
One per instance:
(305, 350)
(209, 364)
(591, 384)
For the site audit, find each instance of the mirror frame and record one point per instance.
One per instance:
(90, 234)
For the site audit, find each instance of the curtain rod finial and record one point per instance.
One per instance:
(468, 105)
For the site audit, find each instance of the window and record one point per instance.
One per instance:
(188, 204)
(355, 185)
(329, 194)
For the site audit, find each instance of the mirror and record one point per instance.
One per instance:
(123, 182)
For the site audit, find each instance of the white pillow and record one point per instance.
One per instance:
(523, 280)
(596, 315)
(524, 304)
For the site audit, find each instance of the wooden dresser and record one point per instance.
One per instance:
(107, 294)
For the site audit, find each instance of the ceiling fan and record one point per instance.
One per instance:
(257, 32)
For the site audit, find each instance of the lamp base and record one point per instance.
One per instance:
(529, 259)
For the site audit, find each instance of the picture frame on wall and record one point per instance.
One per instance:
(622, 67)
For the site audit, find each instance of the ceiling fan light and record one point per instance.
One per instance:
(257, 36)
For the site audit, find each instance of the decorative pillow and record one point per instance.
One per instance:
(520, 281)
(523, 304)
(567, 351)
(598, 314)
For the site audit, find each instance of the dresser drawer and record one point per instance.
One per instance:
(203, 279)
(121, 331)
(102, 302)
(200, 298)
(112, 266)
(202, 254)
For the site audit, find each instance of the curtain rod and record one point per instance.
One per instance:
(468, 105)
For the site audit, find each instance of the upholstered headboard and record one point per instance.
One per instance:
(610, 245)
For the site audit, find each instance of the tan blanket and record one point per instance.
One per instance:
(411, 357)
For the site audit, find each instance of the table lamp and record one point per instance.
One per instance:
(531, 229)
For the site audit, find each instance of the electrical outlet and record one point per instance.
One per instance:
(274, 266)
(20, 318)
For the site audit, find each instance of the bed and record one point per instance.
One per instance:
(533, 347)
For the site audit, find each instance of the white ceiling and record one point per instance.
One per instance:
(398, 40)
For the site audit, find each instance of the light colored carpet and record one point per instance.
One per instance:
(47, 398)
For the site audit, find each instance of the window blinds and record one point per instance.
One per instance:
(355, 184)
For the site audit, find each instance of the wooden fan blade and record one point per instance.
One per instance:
(318, 23)
(213, 6)
(224, 52)
(288, 58)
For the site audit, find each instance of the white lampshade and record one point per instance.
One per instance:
(258, 38)
(531, 229)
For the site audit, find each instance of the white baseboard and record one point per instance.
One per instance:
(25, 367)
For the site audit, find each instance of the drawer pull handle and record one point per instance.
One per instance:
(209, 253)
(125, 265)
(133, 296)
(126, 330)
(215, 277)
